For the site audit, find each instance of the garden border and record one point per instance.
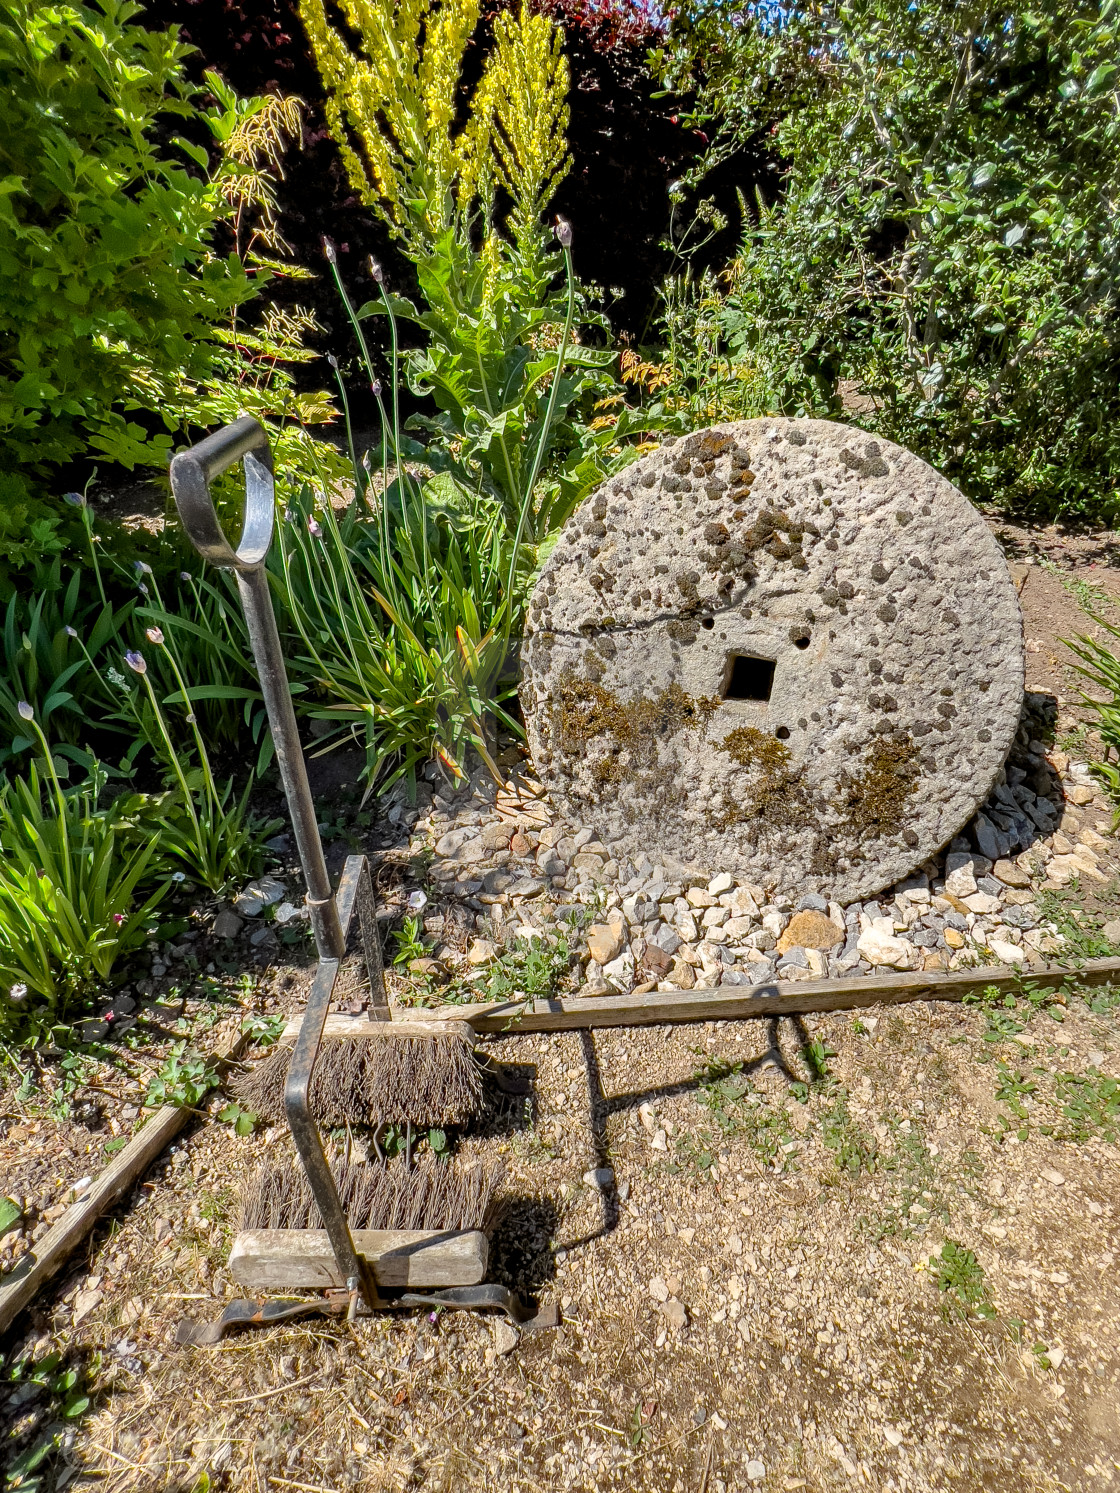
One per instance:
(727, 1003)
(41, 1263)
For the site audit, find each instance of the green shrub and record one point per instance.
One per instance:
(111, 291)
(946, 237)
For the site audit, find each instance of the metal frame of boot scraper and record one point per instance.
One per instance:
(331, 914)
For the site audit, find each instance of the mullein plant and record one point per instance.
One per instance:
(493, 316)
(76, 892)
(446, 556)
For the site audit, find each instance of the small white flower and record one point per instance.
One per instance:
(154, 635)
(26, 712)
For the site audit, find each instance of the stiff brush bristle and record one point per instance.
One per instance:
(433, 1196)
(426, 1082)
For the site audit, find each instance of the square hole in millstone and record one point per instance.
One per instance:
(749, 678)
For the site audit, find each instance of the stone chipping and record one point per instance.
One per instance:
(776, 648)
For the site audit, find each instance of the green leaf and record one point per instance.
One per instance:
(10, 1214)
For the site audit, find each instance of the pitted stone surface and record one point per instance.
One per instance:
(778, 647)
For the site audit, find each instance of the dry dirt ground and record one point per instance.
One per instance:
(818, 1253)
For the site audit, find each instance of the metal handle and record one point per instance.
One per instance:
(191, 474)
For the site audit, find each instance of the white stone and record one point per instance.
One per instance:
(879, 946)
(982, 903)
(658, 1289)
(721, 883)
(756, 1470)
(1006, 953)
(685, 924)
(481, 951)
(960, 877)
(505, 1336)
(715, 917)
(620, 972)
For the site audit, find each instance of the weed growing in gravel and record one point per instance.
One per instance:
(1008, 1011)
(57, 1396)
(409, 939)
(184, 1078)
(530, 969)
(959, 1276)
(854, 1149)
(739, 1111)
(1064, 907)
(1090, 1106)
(916, 1196)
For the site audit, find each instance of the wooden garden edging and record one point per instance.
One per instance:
(732, 1002)
(20, 1287)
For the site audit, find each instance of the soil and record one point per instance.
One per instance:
(815, 1253)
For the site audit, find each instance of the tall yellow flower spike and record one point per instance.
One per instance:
(392, 108)
(524, 98)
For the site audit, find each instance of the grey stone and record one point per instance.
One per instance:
(739, 977)
(794, 959)
(989, 840)
(734, 546)
(601, 1178)
(812, 903)
(760, 974)
(258, 895)
(227, 924)
(528, 886)
(990, 885)
(667, 939)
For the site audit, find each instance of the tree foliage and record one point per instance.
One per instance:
(111, 290)
(945, 245)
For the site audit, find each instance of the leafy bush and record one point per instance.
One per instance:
(946, 242)
(111, 291)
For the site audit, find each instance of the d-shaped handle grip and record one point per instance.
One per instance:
(191, 475)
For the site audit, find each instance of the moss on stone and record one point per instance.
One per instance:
(585, 715)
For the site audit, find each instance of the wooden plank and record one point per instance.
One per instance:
(339, 1025)
(287, 1259)
(19, 1288)
(727, 1003)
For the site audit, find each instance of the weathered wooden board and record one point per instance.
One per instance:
(728, 1003)
(284, 1259)
(48, 1256)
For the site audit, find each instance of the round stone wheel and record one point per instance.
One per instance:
(778, 648)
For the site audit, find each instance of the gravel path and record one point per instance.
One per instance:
(822, 1253)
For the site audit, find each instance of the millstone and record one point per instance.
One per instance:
(778, 648)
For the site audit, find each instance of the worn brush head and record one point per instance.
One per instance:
(434, 1195)
(423, 1081)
